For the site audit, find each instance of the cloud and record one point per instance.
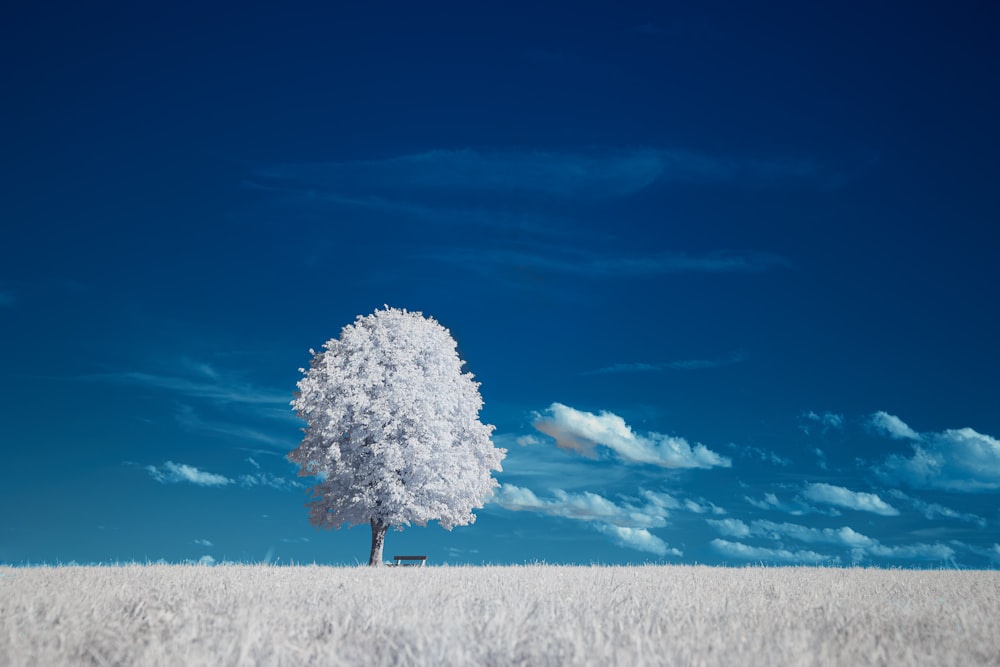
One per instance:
(598, 173)
(892, 426)
(933, 511)
(527, 440)
(844, 537)
(594, 174)
(826, 421)
(176, 473)
(730, 527)
(584, 506)
(583, 432)
(854, 500)
(269, 480)
(206, 383)
(628, 525)
(603, 264)
(683, 365)
(748, 451)
(954, 460)
(639, 539)
(747, 552)
(203, 543)
(190, 420)
(795, 507)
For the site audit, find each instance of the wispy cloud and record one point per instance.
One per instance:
(208, 388)
(751, 553)
(845, 537)
(588, 174)
(680, 365)
(583, 432)
(189, 419)
(933, 511)
(178, 473)
(953, 460)
(824, 422)
(203, 543)
(182, 473)
(796, 506)
(854, 500)
(593, 264)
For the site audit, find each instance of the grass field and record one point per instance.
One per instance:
(528, 615)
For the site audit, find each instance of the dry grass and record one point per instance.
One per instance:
(531, 615)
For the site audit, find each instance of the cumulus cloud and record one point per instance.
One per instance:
(854, 500)
(845, 537)
(953, 460)
(583, 432)
(527, 440)
(176, 473)
(747, 552)
(638, 538)
(584, 506)
(628, 525)
(892, 426)
(730, 527)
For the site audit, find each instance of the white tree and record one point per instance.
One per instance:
(393, 430)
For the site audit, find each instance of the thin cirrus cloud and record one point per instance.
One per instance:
(211, 387)
(591, 174)
(961, 460)
(680, 365)
(605, 265)
(583, 432)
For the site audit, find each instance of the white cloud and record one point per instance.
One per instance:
(854, 500)
(892, 426)
(176, 473)
(825, 421)
(637, 538)
(203, 543)
(583, 432)
(527, 440)
(584, 506)
(844, 537)
(747, 552)
(730, 527)
(269, 480)
(933, 511)
(795, 507)
(208, 386)
(628, 525)
(953, 460)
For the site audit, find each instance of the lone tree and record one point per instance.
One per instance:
(393, 429)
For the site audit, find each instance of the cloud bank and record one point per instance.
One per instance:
(583, 432)
(961, 460)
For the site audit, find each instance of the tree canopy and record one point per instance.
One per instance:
(393, 430)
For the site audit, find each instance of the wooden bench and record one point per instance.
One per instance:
(409, 561)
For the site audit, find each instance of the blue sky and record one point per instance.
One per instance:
(727, 274)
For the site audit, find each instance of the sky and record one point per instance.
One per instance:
(726, 273)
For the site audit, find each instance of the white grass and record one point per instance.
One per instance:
(531, 615)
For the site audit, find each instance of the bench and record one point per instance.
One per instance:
(409, 561)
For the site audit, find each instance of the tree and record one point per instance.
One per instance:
(393, 430)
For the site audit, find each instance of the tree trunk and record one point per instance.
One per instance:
(378, 540)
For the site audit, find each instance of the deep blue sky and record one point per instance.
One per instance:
(771, 232)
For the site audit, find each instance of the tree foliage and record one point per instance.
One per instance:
(393, 430)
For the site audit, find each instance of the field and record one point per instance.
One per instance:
(528, 615)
